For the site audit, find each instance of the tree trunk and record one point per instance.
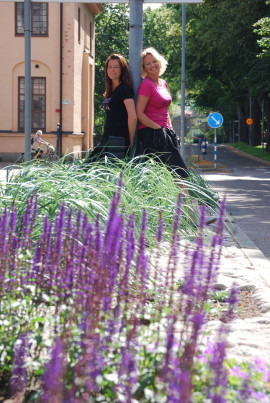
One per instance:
(267, 121)
(256, 127)
(243, 126)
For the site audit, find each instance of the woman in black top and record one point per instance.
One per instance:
(121, 119)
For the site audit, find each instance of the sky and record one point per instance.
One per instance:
(151, 5)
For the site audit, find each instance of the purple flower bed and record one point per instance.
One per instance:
(86, 318)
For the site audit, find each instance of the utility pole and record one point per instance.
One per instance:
(135, 41)
(183, 82)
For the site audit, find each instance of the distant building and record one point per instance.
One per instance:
(77, 41)
(195, 124)
(198, 124)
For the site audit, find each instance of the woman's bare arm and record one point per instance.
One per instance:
(132, 119)
(140, 108)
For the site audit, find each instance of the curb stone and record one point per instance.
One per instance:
(244, 266)
(246, 154)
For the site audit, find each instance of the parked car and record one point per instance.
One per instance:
(196, 139)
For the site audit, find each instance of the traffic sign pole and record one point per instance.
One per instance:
(215, 149)
(215, 120)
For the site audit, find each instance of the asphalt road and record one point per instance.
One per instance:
(246, 184)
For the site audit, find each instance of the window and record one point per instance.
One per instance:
(39, 19)
(79, 25)
(38, 94)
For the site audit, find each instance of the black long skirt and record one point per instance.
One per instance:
(161, 144)
(112, 147)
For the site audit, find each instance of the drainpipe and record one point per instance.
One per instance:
(28, 112)
(61, 79)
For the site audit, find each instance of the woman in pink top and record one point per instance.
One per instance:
(155, 134)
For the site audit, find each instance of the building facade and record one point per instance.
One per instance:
(62, 75)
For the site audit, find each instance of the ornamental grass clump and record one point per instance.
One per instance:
(147, 185)
(91, 315)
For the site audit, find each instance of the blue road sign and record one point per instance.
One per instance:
(215, 120)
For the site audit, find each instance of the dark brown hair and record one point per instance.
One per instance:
(125, 77)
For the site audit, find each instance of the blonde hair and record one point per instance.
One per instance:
(161, 61)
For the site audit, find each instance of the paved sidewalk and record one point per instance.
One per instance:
(6, 167)
(245, 265)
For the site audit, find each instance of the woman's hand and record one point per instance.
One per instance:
(140, 108)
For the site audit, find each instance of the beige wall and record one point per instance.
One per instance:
(78, 76)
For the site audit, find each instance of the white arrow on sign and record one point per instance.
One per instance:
(217, 121)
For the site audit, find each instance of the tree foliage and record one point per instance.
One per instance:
(222, 50)
(162, 30)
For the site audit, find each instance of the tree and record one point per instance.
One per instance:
(222, 48)
(162, 30)
(261, 72)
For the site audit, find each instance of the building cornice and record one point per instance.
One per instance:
(95, 8)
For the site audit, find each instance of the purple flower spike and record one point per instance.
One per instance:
(28, 220)
(130, 240)
(220, 373)
(120, 187)
(19, 375)
(160, 228)
(98, 237)
(53, 387)
(3, 232)
(232, 300)
(141, 263)
(175, 242)
(202, 217)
